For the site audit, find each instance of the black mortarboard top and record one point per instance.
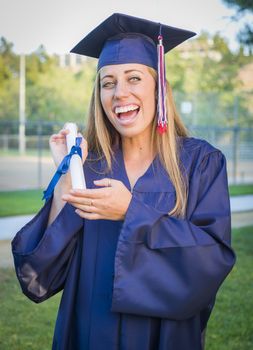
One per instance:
(112, 40)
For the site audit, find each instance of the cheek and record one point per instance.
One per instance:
(105, 102)
(150, 100)
(106, 105)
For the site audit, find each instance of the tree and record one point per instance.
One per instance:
(8, 61)
(59, 94)
(243, 7)
(203, 74)
(37, 63)
(9, 70)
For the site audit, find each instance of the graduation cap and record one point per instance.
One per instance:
(126, 39)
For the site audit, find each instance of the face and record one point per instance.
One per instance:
(127, 94)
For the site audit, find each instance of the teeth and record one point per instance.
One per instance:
(125, 109)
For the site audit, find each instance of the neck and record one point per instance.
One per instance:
(137, 148)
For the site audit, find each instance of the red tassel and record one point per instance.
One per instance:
(162, 121)
(162, 128)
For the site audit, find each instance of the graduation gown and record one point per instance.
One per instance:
(148, 282)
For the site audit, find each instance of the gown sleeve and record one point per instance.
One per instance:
(169, 267)
(42, 255)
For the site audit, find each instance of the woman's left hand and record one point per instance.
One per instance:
(109, 202)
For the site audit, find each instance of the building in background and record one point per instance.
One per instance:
(72, 61)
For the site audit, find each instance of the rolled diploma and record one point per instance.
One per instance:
(76, 164)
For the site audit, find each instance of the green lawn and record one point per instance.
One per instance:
(28, 326)
(29, 201)
(231, 324)
(20, 202)
(237, 190)
(23, 324)
(29, 153)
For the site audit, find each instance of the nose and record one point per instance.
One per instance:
(121, 90)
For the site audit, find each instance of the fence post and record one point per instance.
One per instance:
(236, 131)
(22, 117)
(235, 139)
(39, 148)
(5, 142)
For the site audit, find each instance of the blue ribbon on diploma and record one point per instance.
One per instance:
(63, 168)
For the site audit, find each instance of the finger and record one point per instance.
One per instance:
(62, 134)
(64, 131)
(86, 208)
(77, 200)
(106, 182)
(80, 135)
(96, 193)
(89, 205)
(58, 137)
(89, 216)
(84, 145)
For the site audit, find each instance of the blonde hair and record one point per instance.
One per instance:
(102, 136)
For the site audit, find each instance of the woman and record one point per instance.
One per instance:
(141, 253)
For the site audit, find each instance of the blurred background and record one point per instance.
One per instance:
(42, 86)
(40, 89)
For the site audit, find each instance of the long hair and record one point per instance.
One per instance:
(102, 136)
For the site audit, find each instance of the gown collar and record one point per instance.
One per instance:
(155, 178)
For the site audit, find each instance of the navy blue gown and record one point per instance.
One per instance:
(148, 282)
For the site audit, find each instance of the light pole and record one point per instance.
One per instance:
(22, 143)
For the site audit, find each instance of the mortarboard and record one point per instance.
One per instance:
(126, 39)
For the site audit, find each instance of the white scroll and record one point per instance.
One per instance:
(76, 164)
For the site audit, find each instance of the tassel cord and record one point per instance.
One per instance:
(161, 105)
(62, 168)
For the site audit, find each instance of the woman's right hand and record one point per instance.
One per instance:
(58, 146)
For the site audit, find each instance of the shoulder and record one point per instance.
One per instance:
(194, 147)
(198, 146)
(196, 153)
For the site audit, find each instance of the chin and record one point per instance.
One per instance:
(132, 132)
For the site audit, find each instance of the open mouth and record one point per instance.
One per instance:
(127, 113)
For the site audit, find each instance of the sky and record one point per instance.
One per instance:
(60, 24)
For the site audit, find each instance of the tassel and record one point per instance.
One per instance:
(162, 121)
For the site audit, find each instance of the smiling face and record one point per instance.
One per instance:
(127, 93)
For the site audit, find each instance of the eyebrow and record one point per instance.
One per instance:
(126, 72)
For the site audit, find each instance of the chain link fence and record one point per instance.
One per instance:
(33, 167)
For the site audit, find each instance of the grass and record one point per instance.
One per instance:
(23, 324)
(238, 190)
(45, 152)
(231, 324)
(29, 201)
(28, 326)
(20, 202)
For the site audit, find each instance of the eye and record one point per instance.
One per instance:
(108, 84)
(134, 79)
